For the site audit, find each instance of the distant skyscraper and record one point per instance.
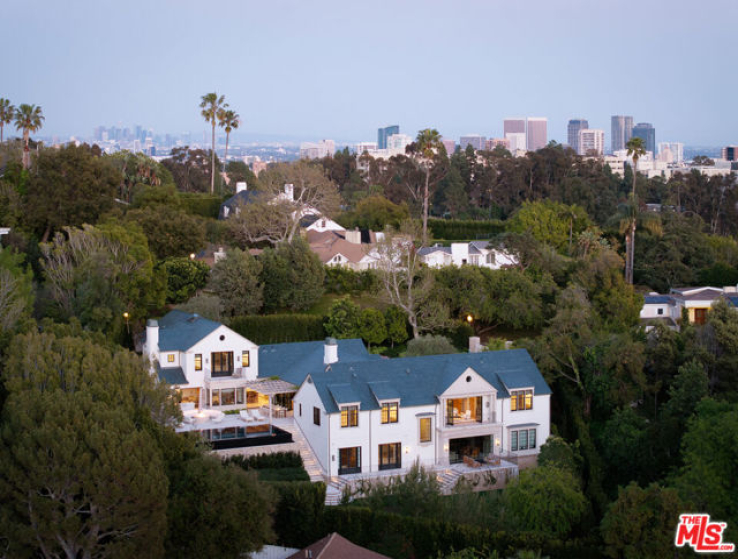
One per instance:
(537, 133)
(493, 143)
(450, 146)
(324, 148)
(575, 125)
(516, 141)
(474, 140)
(591, 142)
(730, 153)
(671, 152)
(621, 130)
(398, 142)
(646, 132)
(384, 133)
(513, 126)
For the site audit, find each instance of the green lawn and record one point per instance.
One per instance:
(364, 300)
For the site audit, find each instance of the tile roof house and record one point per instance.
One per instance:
(359, 412)
(347, 249)
(335, 546)
(474, 253)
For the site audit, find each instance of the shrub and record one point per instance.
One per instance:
(457, 229)
(429, 345)
(344, 280)
(279, 328)
(200, 204)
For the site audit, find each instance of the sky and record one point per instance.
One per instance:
(313, 69)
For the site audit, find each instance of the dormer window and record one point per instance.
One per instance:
(521, 400)
(170, 358)
(350, 416)
(390, 412)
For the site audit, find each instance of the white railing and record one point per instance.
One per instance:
(235, 374)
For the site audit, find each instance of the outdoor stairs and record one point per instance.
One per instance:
(334, 490)
(447, 479)
(306, 453)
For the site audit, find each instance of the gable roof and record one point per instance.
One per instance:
(294, 361)
(179, 330)
(327, 244)
(334, 546)
(171, 375)
(419, 381)
(425, 251)
(243, 197)
(657, 300)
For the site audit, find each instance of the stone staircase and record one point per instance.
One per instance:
(334, 491)
(447, 479)
(312, 466)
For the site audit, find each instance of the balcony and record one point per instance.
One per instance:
(237, 373)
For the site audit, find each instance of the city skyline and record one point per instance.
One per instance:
(88, 64)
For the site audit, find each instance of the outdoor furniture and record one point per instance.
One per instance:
(187, 406)
(245, 415)
(256, 414)
(471, 462)
(217, 416)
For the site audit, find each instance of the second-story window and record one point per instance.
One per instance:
(170, 358)
(521, 400)
(350, 416)
(316, 416)
(198, 361)
(245, 359)
(390, 412)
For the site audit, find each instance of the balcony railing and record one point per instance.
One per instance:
(236, 373)
(463, 420)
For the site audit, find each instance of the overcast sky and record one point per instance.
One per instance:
(315, 69)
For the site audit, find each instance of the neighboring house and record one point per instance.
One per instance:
(3, 231)
(694, 301)
(359, 412)
(348, 249)
(335, 546)
(475, 253)
(369, 416)
(320, 224)
(243, 196)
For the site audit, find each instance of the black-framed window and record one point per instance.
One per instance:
(390, 456)
(524, 439)
(390, 412)
(316, 416)
(521, 400)
(350, 416)
(426, 433)
(198, 361)
(300, 410)
(222, 363)
(349, 460)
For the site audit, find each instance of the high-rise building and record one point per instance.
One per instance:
(537, 133)
(671, 152)
(324, 148)
(513, 126)
(398, 142)
(493, 143)
(474, 140)
(450, 146)
(361, 147)
(384, 133)
(575, 125)
(646, 132)
(591, 141)
(730, 153)
(621, 130)
(516, 141)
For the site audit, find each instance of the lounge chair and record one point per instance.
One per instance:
(256, 414)
(245, 415)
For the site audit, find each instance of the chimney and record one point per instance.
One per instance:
(289, 192)
(330, 354)
(219, 255)
(240, 187)
(354, 236)
(152, 339)
(475, 344)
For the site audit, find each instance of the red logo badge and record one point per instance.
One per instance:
(704, 536)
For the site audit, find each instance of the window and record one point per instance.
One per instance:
(170, 358)
(522, 440)
(349, 460)
(660, 311)
(239, 395)
(222, 364)
(316, 416)
(350, 416)
(425, 430)
(521, 400)
(300, 410)
(245, 359)
(390, 412)
(198, 361)
(227, 396)
(390, 456)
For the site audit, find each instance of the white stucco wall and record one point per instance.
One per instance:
(317, 436)
(540, 414)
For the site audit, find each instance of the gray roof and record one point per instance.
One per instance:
(419, 381)
(657, 300)
(243, 197)
(425, 251)
(172, 375)
(294, 361)
(732, 300)
(179, 330)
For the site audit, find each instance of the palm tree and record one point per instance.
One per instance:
(628, 216)
(229, 120)
(211, 105)
(427, 144)
(635, 150)
(29, 119)
(7, 113)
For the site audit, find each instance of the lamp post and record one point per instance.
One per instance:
(192, 256)
(469, 318)
(126, 316)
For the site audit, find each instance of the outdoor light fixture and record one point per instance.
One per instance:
(126, 316)
(407, 450)
(469, 318)
(192, 256)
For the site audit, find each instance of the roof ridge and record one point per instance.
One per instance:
(327, 545)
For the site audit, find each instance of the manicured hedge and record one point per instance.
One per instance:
(273, 460)
(279, 328)
(341, 280)
(204, 205)
(454, 229)
(299, 514)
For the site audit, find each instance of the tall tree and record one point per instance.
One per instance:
(229, 120)
(7, 113)
(211, 106)
(636, 149)
(427, 145)
(28, 118)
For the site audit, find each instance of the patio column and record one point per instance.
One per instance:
(270, 414)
